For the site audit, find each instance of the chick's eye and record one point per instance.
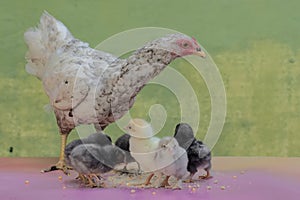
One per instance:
(129, 127)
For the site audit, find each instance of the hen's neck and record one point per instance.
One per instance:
(142, 66)
(152, 60)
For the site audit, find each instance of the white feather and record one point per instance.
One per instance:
(42, 42)
(142, 144)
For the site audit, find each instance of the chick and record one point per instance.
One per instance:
(171, 160)
(199, 154)
(95, 138)
(142, 145)
(92, 160)
(123, 143)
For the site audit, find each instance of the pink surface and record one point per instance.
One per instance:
(254, 185)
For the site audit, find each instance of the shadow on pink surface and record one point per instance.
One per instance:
(233, 185)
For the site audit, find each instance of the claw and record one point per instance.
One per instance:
(60, 165)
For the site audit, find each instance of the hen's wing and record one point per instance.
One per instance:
(73, 72)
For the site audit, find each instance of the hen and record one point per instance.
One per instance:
(87, 86)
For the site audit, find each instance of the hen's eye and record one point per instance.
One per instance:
(163, 146)
(129, 127)
(185, 45)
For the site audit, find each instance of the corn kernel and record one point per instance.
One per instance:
(132, 191)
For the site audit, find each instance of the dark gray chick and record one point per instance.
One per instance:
(95, 138)
(92, 160)
(199, 154)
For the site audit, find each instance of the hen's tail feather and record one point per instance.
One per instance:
(43, 41)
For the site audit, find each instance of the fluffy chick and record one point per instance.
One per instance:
(95, 138)
(142, 145)
(123, 143)
(92, 160)
(171, 160)
(199, 154)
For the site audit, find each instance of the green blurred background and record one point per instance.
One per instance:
(255, 44)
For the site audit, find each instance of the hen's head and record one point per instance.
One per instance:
(139, 128)
(178, 45)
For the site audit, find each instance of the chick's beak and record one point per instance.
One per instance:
(200, 53)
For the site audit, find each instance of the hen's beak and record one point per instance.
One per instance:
(200, 53)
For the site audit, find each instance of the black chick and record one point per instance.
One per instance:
(123, 143)
(92, 160)
(95, 138)
(199, 154)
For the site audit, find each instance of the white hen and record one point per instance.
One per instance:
(87, 86)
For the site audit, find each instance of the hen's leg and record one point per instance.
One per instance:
(60, 165)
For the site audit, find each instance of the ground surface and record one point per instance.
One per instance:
(234, 179)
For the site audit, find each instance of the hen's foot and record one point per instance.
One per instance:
(60, 165)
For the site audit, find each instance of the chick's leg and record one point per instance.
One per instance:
(165, 182)
(190, 178)
(90, 183)
(82, 178)
(60, 165)
(207, 176)
(177, 185)
(147, 182)
(157, 182)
